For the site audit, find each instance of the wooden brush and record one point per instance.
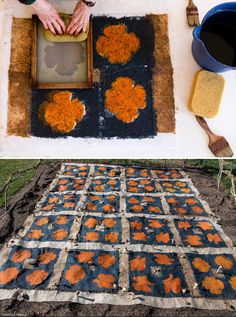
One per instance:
(192, 14)
(218, 145)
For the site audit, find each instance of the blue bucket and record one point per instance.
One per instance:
(224, 14)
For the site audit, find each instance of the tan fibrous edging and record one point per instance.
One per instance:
(19, 100)
(162, 82)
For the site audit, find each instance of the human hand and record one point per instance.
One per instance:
(49, 16)
(79, 20)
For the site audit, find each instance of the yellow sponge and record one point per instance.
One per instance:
(207, 91)
(66, 37)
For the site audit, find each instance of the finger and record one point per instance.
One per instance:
(51, 28)
(57, 26)
(76, 28)
(61, 23)
(44, 24)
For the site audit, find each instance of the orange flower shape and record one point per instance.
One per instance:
(201, 265)
(180, 184)
(163, 237)
(37, 277)
(172, 201)
(172, 285)
(60, 112)
(106, 260)
(91, 236)
(117, 45)
(191, 201)
(100, 188)
(144, 182)
(35, 234)
(91, 223)
(112, 237)
(124, 99)
(185, 190)
(137, 208)
(136, 225)
(194, 240)
(109, 223)
(181, 210)
(170, 189)
(75, 274)
(214, 238)
(8, 275)
(112, 182)
(63, 182)
(133, 189)
(47, 257)
(138, 264)
(205, 225)
(85, 256)
(223, 261)
(53, 200)
(48, 207)
(60, 234)
(148, 199)
(20, 256)
(213, 285)
(105, 280)
(154, 224)
(94, 198)
(163, 259)
(108, 208)
(154, 209)
(62, 220)
(132, 183)
(139, 236)
(197, 209)
(111, 198)
(42, 222)
(184, 225)
(91, 206)
(68, 204)
(142, 284)
(232, 282)
(62, 188)
(149, 188)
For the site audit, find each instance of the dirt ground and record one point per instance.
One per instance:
(23, 204)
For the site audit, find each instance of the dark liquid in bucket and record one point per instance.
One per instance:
(219, 37)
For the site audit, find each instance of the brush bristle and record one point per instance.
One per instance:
(226, 152)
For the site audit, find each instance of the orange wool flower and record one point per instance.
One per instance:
(184, 225)
(154, 209)
(112, 237)
(124, 99)
(20, 256)
(144, 182)
(172, 201)
(91, 223)
(8, 275)
(37, 277)
(201, 265)
(60, 112)
(181, 210)
(163, 259)
(47, 257)
(94, 198)
(117, 45)
(232, 282)
(35, 234)
(53, 200)
(68, 204)
(142, 284)
(185, 190)
(223, 261)
(163, 237)
(137, 208)
(91, 236)
(60, 234)
(109, 223)
(61, 220)
(106, 260)
(48, 207)
(133, 200)
(91, 206)
(204, 225)
(112, 182)
(213, 285)
(85, 256)
(154, 224)
(214, 238)
(139, 236)
(136, 225)
(133, 189)
(148, 199)
(105, 281)
(149, 188)
(108, 208)
(194, 240)
(191, 201)
(99, 188)
(138, 264)
(111, 198)
(42, 222)
(75, 274)
(197, 209)
(172, 285)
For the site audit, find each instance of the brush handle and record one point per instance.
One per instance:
(212, 136)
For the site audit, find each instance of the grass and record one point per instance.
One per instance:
(7, 167)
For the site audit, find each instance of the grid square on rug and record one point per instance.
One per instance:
(97, 242)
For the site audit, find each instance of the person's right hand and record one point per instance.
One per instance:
(49, 16)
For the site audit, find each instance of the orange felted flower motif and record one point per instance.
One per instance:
(184, 225)
(172, 201)
(154, 209)
(138, 264)
(142, 284)
(214, 238)
(42, 222)
(201, 265)
(197, 209)
(112, 237)
(108, 208)
(37, 277)
(91, 206)
(154, 224)
(91, 223)
(205, 225)
(75, 274)
(105, 281)
(213, 285)
(53, 200)
(69, 204)
(91, 236)
(125, 98)
(35, 234)
(60, 234)
(137, 208)
(136, 225)
(163, 259)
(8, 275)
(85, 256)
(106, 260)
(191, 201)
(117, 45)
(163, 237)
(109, 222)
(20, 256)
(172, 285)
(194, 240)
(62, 220)
(133, 200)
(60, 112)
(232, 282)
(223, 261)
(47, 257)
(139, 236)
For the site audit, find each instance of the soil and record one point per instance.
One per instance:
(220, 201)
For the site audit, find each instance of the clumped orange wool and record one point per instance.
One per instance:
(20, 256)
(125, 98)
(37, 277)
(117, 45)
(8, 275)
(62, 113)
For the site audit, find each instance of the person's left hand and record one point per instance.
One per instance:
(80, 19)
